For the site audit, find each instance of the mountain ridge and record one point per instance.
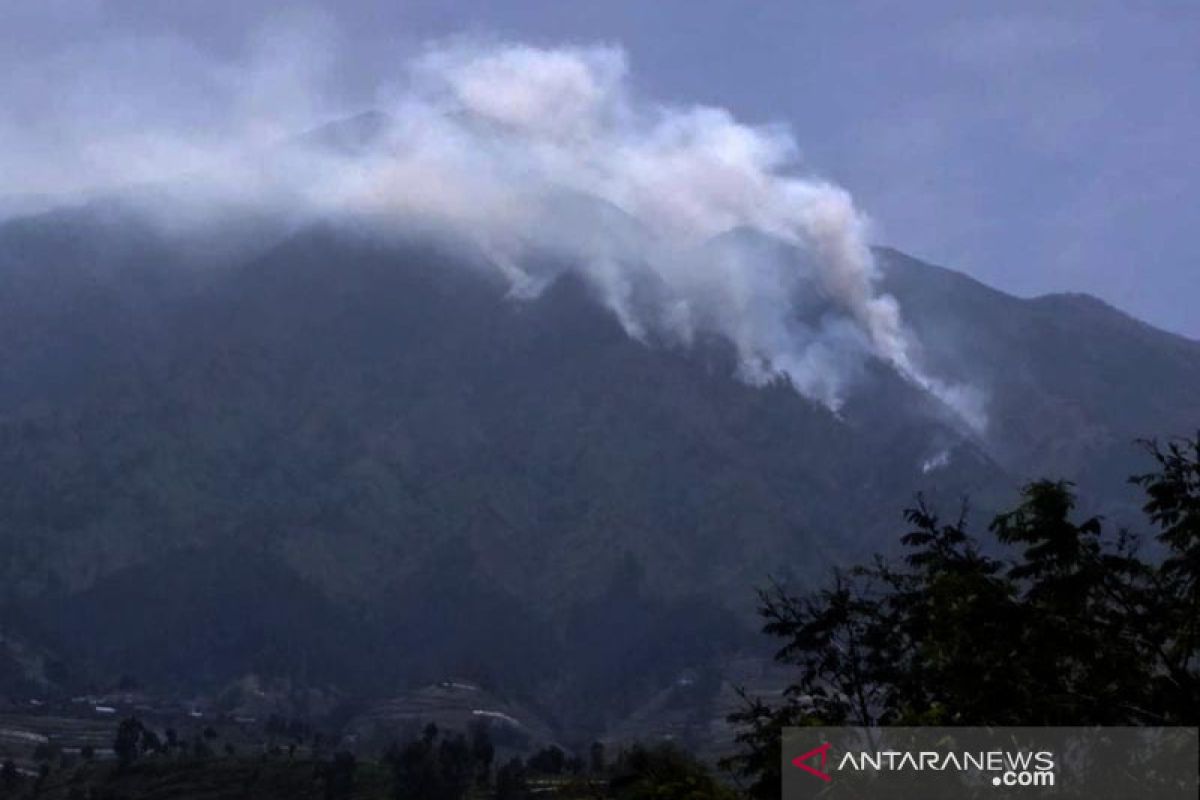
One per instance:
(375, 430)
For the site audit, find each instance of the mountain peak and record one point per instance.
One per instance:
(352, 135)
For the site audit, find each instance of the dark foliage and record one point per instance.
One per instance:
(548, 761)
(9, 777)
(511, 781)
(1070, 627)
(663, 772)
(437, 767)
(127, 743)
(338, 776)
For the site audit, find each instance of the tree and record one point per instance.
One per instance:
(338, 776)
(1081, 609)
(483, 752)
(548, 761)
(663, 773)
(125, 746)
(511, 781)
(1173, 611)
(151, 742)
(415, 769)
(201, 749)
(596, 758)
(47, 752)
(457, 767)
(1065, 626)
(434, 767)
(9, 776)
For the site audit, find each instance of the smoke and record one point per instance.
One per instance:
(685, 221)
(540, 150)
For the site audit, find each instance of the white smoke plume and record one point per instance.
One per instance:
(501, 138)
(551, 160)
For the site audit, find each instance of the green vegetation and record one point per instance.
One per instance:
(1056, 622)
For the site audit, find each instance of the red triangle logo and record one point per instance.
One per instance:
(823, 753)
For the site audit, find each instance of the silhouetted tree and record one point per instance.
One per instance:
(9, 777)
(338, 776)
(151, 742)
(457, 767)
(596, 758)
(483, 752)
(1068, 627)
(201, 749)
(435, 767)
(663, 772)
(46, 751)
(1172, 618)
(548, 761)
(415, 770)
(511, 782)
(129, 736)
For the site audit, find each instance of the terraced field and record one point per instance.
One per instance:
(21, 736)
(212, 779)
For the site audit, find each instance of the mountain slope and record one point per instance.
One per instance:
(437, 477)
(1071, 382)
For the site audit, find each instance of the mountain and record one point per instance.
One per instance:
(355, 461)
(1071, 382)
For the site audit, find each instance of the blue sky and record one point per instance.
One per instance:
(1037, 146)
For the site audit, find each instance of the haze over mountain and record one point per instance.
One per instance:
(361, 450)
(496, 389)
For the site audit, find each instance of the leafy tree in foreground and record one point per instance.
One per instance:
(1173, 506)
(1072, 627)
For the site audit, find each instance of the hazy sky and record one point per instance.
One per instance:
(1039, 147)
